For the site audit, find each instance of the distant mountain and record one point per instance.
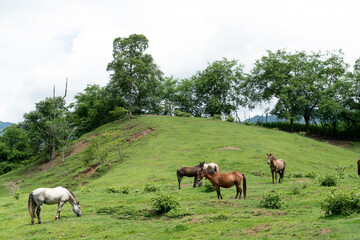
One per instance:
(270, 118)
(4, 125)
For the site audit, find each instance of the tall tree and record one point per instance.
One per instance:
(134, 74)
(215, 85)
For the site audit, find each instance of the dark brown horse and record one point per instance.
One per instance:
(277, 166)
(190, 172)
(358, 162)
(225, 180)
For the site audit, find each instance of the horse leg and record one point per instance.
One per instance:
(272, 173)
(276, 177)
(195, 181)
(218, 192)
(57, 217)
(179, 180)
(38, 209)
(281, 176)
(238, 191)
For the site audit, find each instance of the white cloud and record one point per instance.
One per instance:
(44, 42)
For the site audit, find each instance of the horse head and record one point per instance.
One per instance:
(77, 209)
(201, 164)
(270, 158)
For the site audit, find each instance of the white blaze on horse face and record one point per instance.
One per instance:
(77, 209)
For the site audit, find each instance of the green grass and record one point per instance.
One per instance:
(154, 158)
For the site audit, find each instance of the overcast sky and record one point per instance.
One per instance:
(44, 42)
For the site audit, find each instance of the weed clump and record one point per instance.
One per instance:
(163, 203)
(124, 190)
(208, 187)
(149, 187)
(258, 173)
(328, 180)
(179, 113)
(271, 200)
(341, 203)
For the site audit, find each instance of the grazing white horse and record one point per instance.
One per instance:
(211, 167)
(58, 195)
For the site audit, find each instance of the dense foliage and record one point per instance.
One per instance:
(317, 87)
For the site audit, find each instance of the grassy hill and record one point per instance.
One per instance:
(148, 150)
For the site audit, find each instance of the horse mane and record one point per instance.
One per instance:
(73, 195)
(211, 172)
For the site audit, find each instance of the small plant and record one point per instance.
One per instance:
(303, 134)
(216, 116)
(230, 119)
(16, 195)
(328, 180)
(179, 113)
(209, 187)
(294, 190)
(340, 170)
(311, 175)
(124, 190)
(259, 173)
(149, 187)
(341, 203)
(271, 200)
(297, 175)
(163, 203)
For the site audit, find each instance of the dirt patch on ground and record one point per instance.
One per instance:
(229, 148)
(139, 134)
(88, 172)
(260, 212)
(195, 220)
(257, 229)
(323, 231)
(78, 147)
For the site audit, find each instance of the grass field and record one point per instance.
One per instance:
(149, 149)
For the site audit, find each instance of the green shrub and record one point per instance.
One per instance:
(311, 174)
(259, 173)
(341, 203)
(216, 116)
(149, 187)
(297, 175)
(124, 190)
(16, 195)
(328, 180)
(163, 203)
(209, 187)
(230, 119)
(179, 113)
(271, 200)
(340, 170)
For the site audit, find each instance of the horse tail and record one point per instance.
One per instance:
(244, 185)
(31, 205)
(358, 162)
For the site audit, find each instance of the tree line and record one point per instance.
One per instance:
(316, 86)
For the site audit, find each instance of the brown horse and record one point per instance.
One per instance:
(358, 162)
(190, 172)
(277, 166)
(225, 180)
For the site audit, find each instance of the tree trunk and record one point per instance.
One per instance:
(307, 122)
(130, 107)
(291, 125)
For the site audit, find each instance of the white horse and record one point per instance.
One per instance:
(211, 167)
(58, 195)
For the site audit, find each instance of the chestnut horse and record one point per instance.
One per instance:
(225, 180)
(277, 166)
(358, 162)
(189, 172)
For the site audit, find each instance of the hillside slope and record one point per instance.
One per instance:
(149, 149)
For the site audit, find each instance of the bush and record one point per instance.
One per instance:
(163, 203)
(124, 190)
(340, 171)
(311, 175)
(209, 187)
(179, 113)
(230, 119)
(341, 203)
(294, 190)
(16, 195)
(259, 173)
(216, 116)
(328, 180)
(271, 200)
(149, 187)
